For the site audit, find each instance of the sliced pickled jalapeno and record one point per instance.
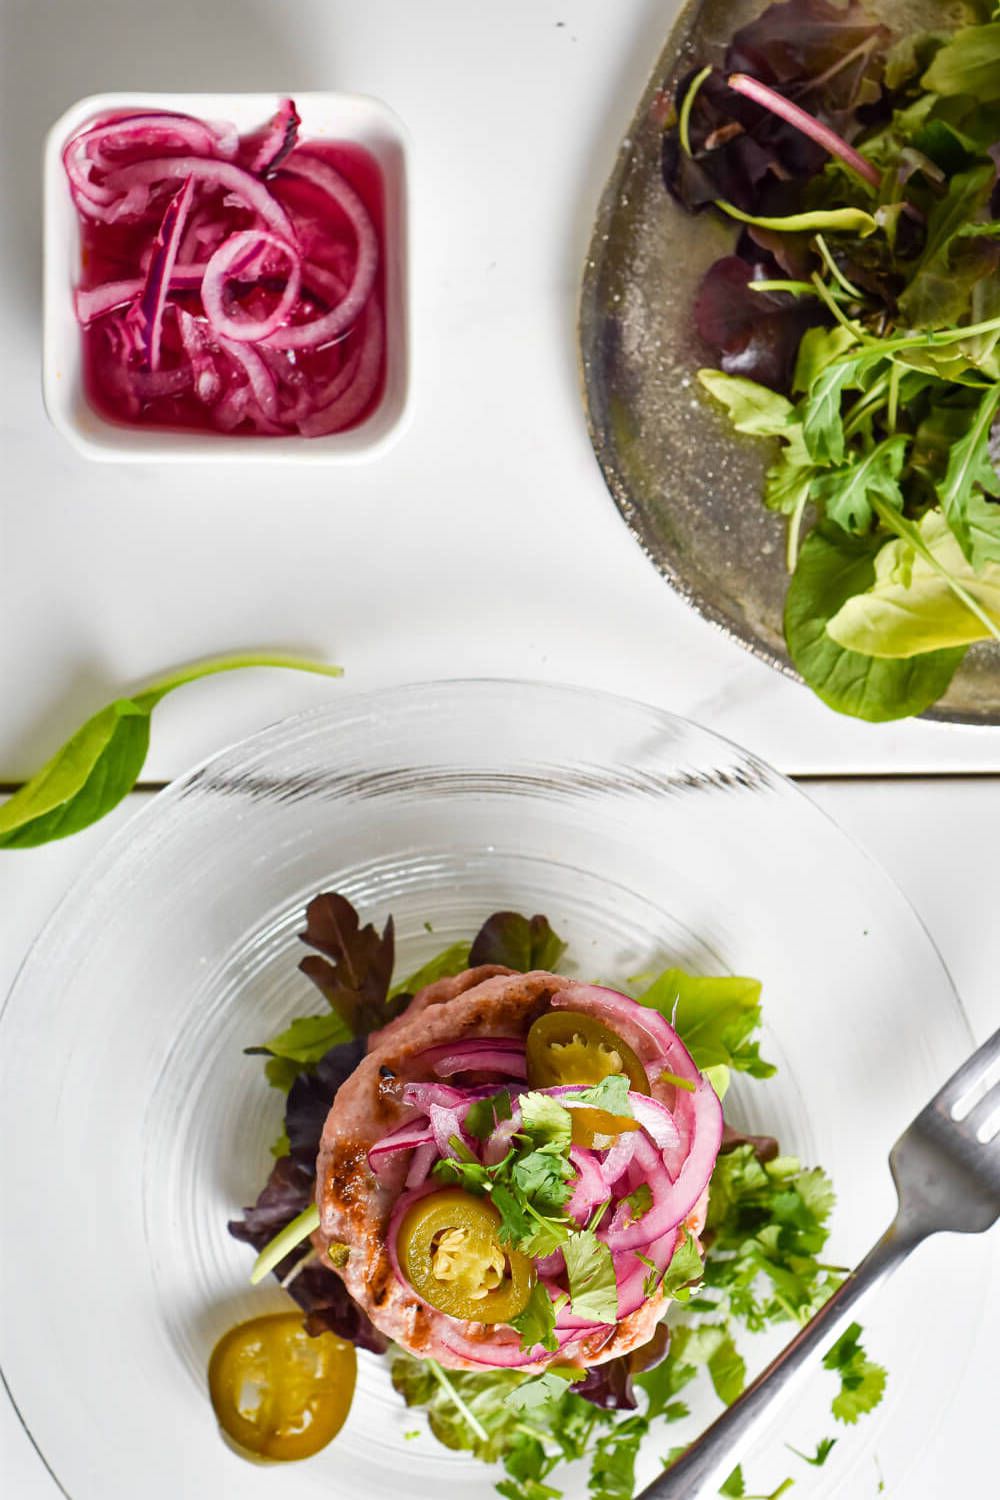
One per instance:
(449, 1250)
(569, 1046)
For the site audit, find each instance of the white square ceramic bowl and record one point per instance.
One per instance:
(350, 117)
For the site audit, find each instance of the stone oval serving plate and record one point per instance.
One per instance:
(687, 486)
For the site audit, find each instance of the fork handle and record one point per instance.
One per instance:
(708, 1461)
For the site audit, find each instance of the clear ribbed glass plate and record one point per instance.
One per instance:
(134, 1125)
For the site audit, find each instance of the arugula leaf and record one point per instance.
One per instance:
(715, 1017)
(592, 1287)
(101, 762)
(832, 569)
(971, 474)
(822, 423)
(845, 491)
(911, 606)
(862, 1383)
(516, 942)
(611, 1095)
(537, 1323)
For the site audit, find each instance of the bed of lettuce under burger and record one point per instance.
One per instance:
(763, 1242)
(857, 322)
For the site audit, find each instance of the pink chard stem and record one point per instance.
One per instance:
(777, 104)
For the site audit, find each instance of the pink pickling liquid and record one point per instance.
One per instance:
(111, 252)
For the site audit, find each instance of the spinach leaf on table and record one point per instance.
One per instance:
(101, 762)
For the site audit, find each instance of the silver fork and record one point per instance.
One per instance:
(946, 1178)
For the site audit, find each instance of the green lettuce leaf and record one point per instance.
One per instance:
(752, 408)
(715, 1017)
(968, 64)
(911, 606)
(516, 942)
(833, 568)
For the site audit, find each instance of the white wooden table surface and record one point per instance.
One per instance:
(483, 544)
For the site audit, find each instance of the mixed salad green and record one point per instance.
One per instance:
(858, 327)
(760, 1261)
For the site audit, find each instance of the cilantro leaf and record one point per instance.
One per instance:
(516, 1223)
(611, 1094)
(639, 1202)
(671, 1375)
(592, 1287)
(484, 1115)
(734, 1486)
(545, 1121)
(537, 1323)
(712, 1344)
(824, 1448)
(862, 1382)
(686, 1266)
(544, 1178)
(612, 1470)
(714, 1016)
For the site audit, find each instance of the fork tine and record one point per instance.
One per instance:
(981, 1112)
(969, 1073)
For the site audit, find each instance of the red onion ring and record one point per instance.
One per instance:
(262, 383)
(232, 255)
(479, 1055)
(86, 153)
(351, 402)
(590, 1187)
(415, 1134)
(423, 1095)
(323, 330)
(424, 1158)
(218, 174)
(631, 1295)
